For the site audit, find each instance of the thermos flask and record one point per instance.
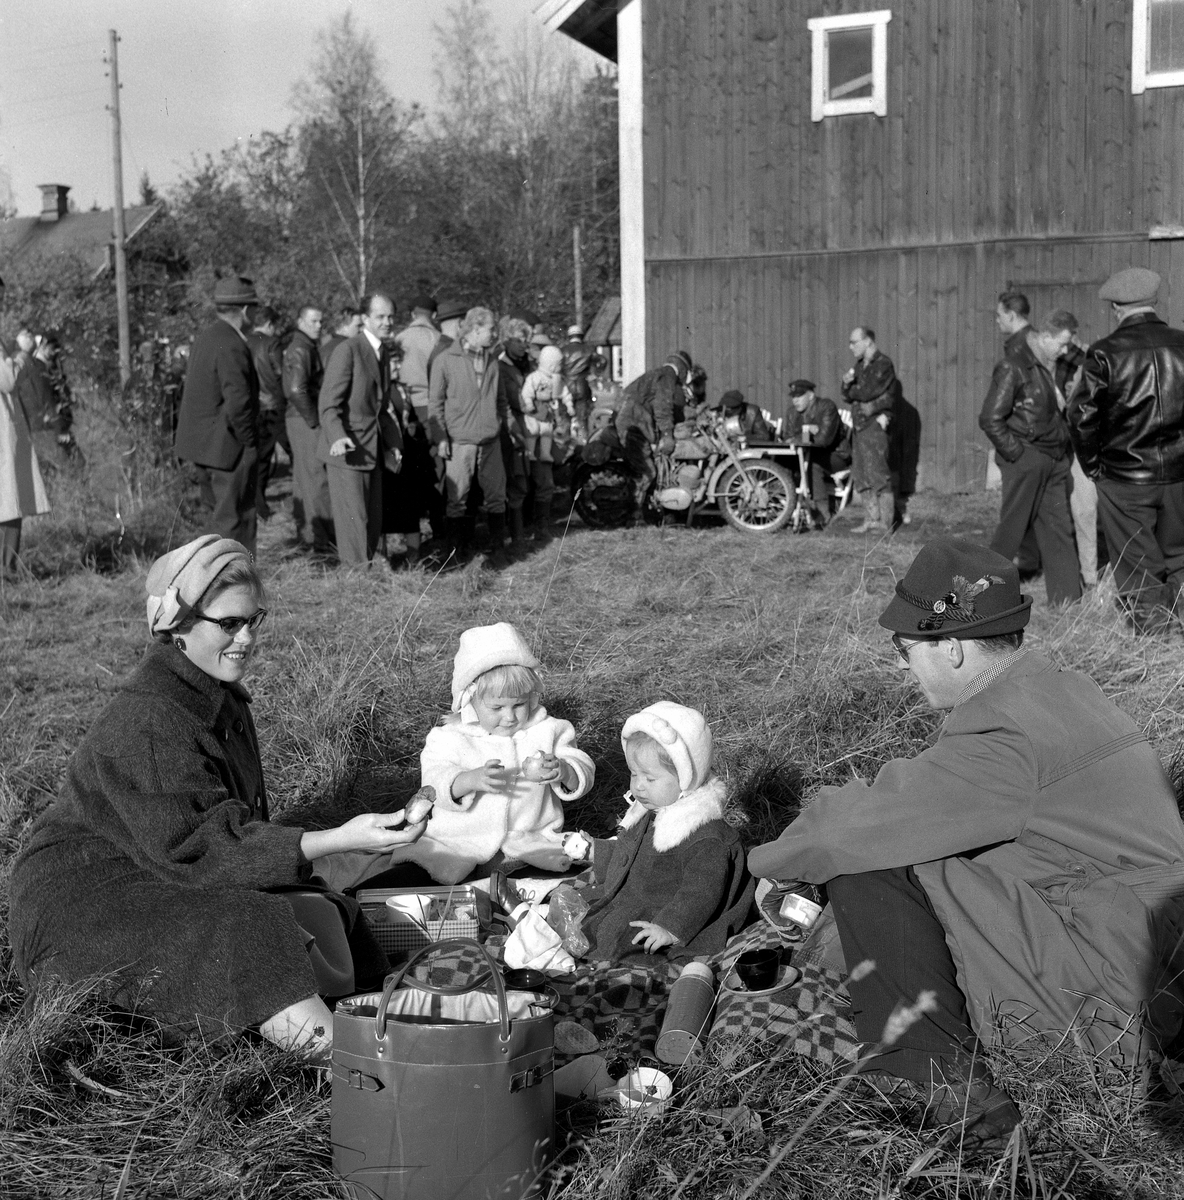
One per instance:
(688, 1014)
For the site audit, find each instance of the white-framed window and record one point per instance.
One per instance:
(1157, 45)
(849, 64)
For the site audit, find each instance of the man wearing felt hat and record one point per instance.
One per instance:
(1126, 419)
(1026, 868)
(217, 424)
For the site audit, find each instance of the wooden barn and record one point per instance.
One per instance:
(792, 168)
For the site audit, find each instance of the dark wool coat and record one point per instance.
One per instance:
(220, 404)
(698, 888)
(153, 861)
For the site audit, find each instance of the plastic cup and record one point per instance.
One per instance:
(645, 1089)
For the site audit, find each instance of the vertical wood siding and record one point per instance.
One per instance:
(1013, 152)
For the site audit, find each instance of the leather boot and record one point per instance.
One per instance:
(542, 521)
(498, 558)
(871, 513)
(519, 547)
(888, 511)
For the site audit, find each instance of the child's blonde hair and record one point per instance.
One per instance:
(646, 749)
(511, 679)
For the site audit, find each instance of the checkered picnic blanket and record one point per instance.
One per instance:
(623, 1006)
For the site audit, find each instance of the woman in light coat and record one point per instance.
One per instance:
(22, 490)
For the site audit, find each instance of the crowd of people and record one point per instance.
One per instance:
(455, 416)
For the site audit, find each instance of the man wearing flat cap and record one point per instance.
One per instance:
(217, 424)
(1025, 869)
(1126, 418)
(749, 419)
(814, 423)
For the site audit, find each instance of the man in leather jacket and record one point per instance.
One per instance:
(649, 411)
(814, 423)
(752, 424)
(871, 388)
(1127, 422)
(303, 373)
(1022, 418)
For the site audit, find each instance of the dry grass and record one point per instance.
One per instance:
(774, 640)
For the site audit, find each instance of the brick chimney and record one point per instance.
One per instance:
(54, 204)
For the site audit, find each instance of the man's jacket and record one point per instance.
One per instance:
(265, 351)
(355, 403)
(1126, 416)
(220, 404)
(1021, 407)
(463, 409)
(303, 375)
(652, 403)
(824, 414)
(1046, 835)
(873, 390)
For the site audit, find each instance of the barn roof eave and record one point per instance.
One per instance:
(592, 23)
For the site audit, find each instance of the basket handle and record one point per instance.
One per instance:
(402, 975)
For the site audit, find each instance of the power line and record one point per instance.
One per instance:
(50, 97)
(92, 111)
(40, 67)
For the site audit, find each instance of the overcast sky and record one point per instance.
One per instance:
(195, 77)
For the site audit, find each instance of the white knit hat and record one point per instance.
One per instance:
(481, 649)
(683, 733)
(551, 360)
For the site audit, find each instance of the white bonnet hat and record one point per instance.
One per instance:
(683, 733)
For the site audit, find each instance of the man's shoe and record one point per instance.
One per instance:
(984, 1110)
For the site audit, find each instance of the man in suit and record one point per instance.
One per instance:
(359, 432)
(217, 425)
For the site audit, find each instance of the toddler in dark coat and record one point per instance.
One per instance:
(673, 883)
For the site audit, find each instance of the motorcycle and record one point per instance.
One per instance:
(712, 469)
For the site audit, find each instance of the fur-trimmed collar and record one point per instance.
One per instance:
(675, 823)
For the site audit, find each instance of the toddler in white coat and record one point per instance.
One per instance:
(546, 404)
(501, 766)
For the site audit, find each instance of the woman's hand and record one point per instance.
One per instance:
(652, 937)
(370, 831)
(492, 777)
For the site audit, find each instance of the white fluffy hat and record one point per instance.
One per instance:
(481, 649)
(683, 733)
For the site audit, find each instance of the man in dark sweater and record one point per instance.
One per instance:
(217, 425)
(268, 359)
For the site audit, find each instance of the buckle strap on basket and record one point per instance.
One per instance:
(531, 1075)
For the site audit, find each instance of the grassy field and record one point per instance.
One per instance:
(774, 639)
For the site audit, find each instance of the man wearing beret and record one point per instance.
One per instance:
(1126, 418)
(814, 423)
(217, 424)
(1025, 869)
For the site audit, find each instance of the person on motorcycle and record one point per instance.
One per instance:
(753, 426)
(646, 418)
(814, 423)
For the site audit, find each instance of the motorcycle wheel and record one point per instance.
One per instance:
(605, 495)
(764, 503)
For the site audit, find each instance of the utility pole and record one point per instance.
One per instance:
(579, 273)
(125, 337)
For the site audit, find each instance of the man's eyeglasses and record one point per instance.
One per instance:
(903, 647)
(231, 625)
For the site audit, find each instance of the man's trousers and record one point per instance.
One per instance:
(886, 918)
(311, 505)
(869, 459)
(1144, 529)
(231, 494)
(1036, 497)
(356, 497)
(481, 462)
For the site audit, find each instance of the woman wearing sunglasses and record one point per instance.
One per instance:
(157, 865)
